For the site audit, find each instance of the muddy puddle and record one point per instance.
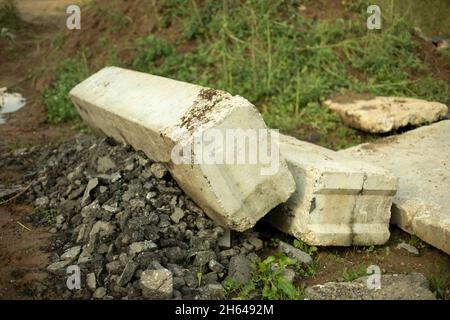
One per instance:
(9, 103)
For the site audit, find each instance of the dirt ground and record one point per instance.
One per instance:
(22, 256)
(22, 248)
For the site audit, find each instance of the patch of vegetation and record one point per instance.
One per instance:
(49, 216)
(56, 97)
(440, 284)
(284, 62)
(274, 242)
(353, 274)
(268, 281)
(311, 250)
(19, 143)
(288, 64)
(9, 17)
(416, 242)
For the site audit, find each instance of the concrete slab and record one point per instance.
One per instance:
(421, 160)
(158, 115)
(384, 114)
(338, 201)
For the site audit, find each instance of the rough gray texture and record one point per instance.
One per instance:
(294, 253)
(412, 286)
(157, 284)
(240, 269)
(126, 227)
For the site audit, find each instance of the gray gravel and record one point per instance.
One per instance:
(119, 217)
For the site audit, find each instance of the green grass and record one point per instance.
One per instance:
(56, 97)
(416, 242)
(267, 282)
(311, 250)
(19, 143)
(283, 62)
(49, 216)
(353, 274)
(440, 284)
(9, 17)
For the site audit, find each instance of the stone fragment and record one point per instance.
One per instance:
(156, 284)
(161, 117)
(225, 240)
(71, 254)
(240, 268)
(127, 273)
(215, 266)
(86, 196)
(42, 201)
(56, 266)
(177, 215)
(212, 291)
(105, 164)
(256, 243)
(99, 293)
(409, 248)
(91, 281)
(158, 170)
(384, 114)
(102, 228)
(294, 253)
(138, 247)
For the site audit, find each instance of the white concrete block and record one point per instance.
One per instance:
(338, 201)
(421, 160)
(156, 114)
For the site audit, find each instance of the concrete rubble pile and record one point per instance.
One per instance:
(317, 195)
(125, 223)
(348, 201)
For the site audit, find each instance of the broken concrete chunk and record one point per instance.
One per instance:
(91, 281)
(409, 248)
(138, 247)
(156, 284)
(105, 164)
(56, 266)
(158, 170)
(421, 160)
(71, 254)
(240, 269)
(164, 118)
(384, 114)
(177, 215)
(294, 253)
(338, 202)
(87, 192)
(225, 240)
(127, 273)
